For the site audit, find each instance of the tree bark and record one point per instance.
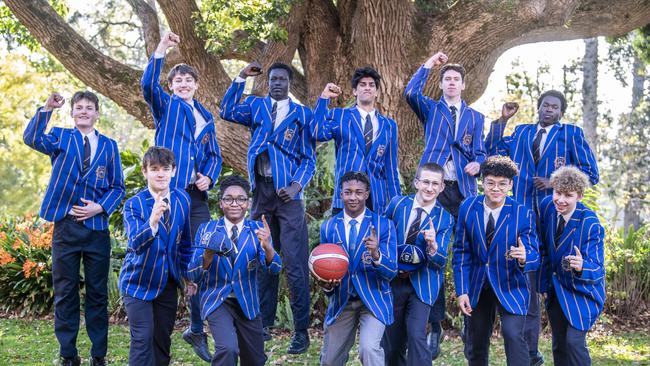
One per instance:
(332, 39)
(590, 92)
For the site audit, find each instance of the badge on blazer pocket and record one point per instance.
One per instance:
(467, 139)
(559, 162)
(205, 138)
(288, 134)
(252, 264)
(100, 172)
(381, 149)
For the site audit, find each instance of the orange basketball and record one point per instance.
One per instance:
(328, 262)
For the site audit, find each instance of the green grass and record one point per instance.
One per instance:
(24, 342)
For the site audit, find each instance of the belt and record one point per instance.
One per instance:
(263, 178)
(192, 187)
(403, 275)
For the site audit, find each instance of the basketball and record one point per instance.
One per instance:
(328, 262)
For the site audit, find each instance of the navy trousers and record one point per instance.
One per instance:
(533, 318)
(409, 330)
(72, 242)
(569, 344)
(478, 328)
(199, 214)
(289, 234)
(235, 336)
(151, 324)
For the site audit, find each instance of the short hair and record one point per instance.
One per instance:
(182, 69)
(156, 155)
(431, 167)
(85, 94)
(234, 180)
(280, 65)
(569, 179)
(499, 166)
(454, 67)
(553, 93)
(358, 176)
(365, 72)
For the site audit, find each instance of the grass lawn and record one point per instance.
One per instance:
(24, 342)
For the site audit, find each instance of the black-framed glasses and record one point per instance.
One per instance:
(240, 200)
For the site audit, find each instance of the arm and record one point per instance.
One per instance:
(420, 104)
(307, 164)
(494, 142)
(439, 259)
(392, 170)
(528, 237)
(185, 245)
(386, 266)
(212, 165)
(478, 148)
(34, 135)
(231, 109)
(325, 121)
(592, 251)
(152, 91)
(584, 158)
(461, 260)
(138, 230)
(116, 190)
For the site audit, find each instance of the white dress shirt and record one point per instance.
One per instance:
(449, 168)
(427, 210)
(373, 119)
(495, 214)
(93, 139)
(548, 129)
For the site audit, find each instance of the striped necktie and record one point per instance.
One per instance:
(86, 163)
(367, 132)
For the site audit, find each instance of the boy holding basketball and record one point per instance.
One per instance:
(363, 295)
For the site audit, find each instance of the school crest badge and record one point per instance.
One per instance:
(366, 258)
(100, 172)
(288, 134)
(205, 138)
(252, 264)
(205, 239)
(467, 139)
(381, 149)
(559, 162)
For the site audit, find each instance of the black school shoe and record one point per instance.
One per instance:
(71, 361)
(199, 342)
(299, 343)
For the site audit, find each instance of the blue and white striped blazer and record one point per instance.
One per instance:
(473, 264)
(439, 139)
(427, 279)
(371, 282)
(290, 145)
(103, 183)
(175, 127)
(150, 260)
(581, 296)
(344, 125)
(565, 145)
(224, 277)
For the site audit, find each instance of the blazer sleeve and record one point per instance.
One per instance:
(325, 121)
(387, 265)
(545, 260)
(137, 226)
(307, 154)
(231, 108)
(113, 196)
(495, 143)
(392, 170)
(461, 260)
(276, 264)
(584, 156)
(152, 91)
(195, 269)
(592, 251)
(528, 236)
(420, 104)
(35, 136)
(439, 259)
(212, 165)
(478, 147)
(323, 239)
(185, 245)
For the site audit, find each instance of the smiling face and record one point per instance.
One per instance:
(354, 195)
(234, 203)
(550, 110)
(184, 86)
(158, 177)
(496, 189)
(366, 91)
(279, 84)
(428, 185)
(452, 84)
(84, 113)
(565, 202)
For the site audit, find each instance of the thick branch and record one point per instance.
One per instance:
(248, 55)
(150, 25)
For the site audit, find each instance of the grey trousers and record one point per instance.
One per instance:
(339, 337)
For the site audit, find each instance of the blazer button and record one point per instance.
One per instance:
(554, 274)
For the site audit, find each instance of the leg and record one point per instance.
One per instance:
(450, 198)
(97, 260)
(338, 338)
(394, 341)
(533, 322)
(66, 255)
(512, 328)
(478, 329)
(370, 334)
(417, 314)
(222, 327)
(249, 336)
(559, 326)
(164, 312)
(436, 316)
(141, 328)
(576, 342)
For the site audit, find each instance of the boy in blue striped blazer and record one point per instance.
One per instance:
(362, 299)
(157, 224)
(85, 187)
(365, 140)
(423, 233)
(187, 128)
(281, 162)
(573, 268)
(453, 138)
(539, 149)
(227, 281)
(495, 245)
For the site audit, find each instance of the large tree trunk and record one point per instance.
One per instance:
(590, 92)
(332, 39)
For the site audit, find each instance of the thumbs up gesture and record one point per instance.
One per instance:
(430, 238)
(519, 252)
(264, 234)
(372, 244)
(576, 260)
(202, 182)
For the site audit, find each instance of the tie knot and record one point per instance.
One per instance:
(453, 108)
(235, 230)
(353, 222)
(166, 200)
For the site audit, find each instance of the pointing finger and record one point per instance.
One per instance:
(578, 254)
(266, 224)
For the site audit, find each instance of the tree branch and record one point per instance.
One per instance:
(150, 26)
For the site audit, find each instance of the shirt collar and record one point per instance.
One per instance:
(547, 128)
(92, 135)
(168, 195)
(426, 208)
(567, 217)
(346, 218)
(363, 113)
(495, 212)
(281, 103)
(230, 224)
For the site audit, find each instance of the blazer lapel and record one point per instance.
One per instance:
(462, 122)
(502, 221)
(550, 140)
(78, 142)
(189, 114)
(381, 136)
(406, 213)
(569, 229)
(364, 230)
(287, 119)
(357, 128)
(267, 120)
(529, 134)
(446, 113)
(478, 219)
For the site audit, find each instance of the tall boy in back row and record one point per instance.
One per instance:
(85, 187)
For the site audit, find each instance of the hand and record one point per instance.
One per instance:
(190, 289)
(519, 252)
(85, 212)
(289, 192)
(264, 235)
(252, 69)
(576, 260)
(326, 284)
(430, 238)
(372, 245)
(437, 59)
(158, 210)
(54, 101)
(168, 41)
(542, 183)
(508, 110)
(202, 182)
(465, 307)
(472, 168)
(331, 91)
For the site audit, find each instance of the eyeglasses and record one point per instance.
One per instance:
(428, 183)
(502, 186)
(240, 200)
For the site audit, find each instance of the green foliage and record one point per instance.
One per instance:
(15, 34)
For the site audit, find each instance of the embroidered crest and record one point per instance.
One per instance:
(559, 162)
(100, 172)
(380, 150)
(406, 257)
(205, 138)
(366, 258)
(467, 139)
(252, 264)
(205, 239)
(288, 134)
